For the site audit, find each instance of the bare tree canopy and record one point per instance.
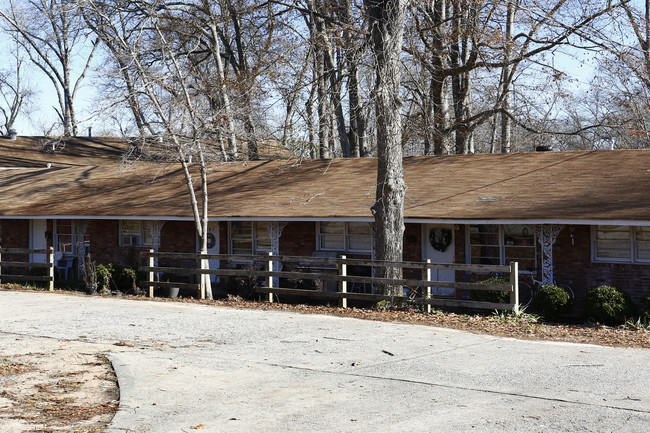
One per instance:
(55, 38)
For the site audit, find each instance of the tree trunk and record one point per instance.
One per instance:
(386, 21)
(506, 77)
(324, 118)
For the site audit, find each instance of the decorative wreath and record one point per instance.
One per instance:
(212, 241)
(440, 239)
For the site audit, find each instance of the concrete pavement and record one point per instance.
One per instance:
(214, 369)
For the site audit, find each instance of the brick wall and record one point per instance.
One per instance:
(14, 233)
(176, 236)
(573, 266)
(298, 239)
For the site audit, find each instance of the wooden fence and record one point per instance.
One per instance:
(49, 265)
(334, 270)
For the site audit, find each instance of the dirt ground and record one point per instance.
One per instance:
(63, 387)
(69, 387)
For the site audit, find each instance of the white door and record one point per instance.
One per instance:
(37, 239)
(213, 246)
(438, 240)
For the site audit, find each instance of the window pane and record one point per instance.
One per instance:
(519, 245)
(64, 236)
(262, 237)
(643, 243)
(332, 228)
(147, 239)
(131, 227)
(484, 244)
(332, 242)
(520, 235)
(484, 234)
(241, 229)
(359, 242)
(613, 242)
(240, 246)
(359, 228)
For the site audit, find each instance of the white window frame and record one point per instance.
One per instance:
(346, 239)
(73, 238)
(502, 246)
(254, 238)
(140, 235)
(634, 259)
(73, 227)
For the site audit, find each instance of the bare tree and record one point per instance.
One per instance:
(16, 95)
(167, 88)
(53, 35)
(456, 48)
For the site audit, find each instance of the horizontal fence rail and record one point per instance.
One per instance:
(334, 270)
(49, 265)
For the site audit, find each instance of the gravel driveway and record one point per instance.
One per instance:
(186, 367)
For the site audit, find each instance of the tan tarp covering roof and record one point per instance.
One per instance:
(578, 185)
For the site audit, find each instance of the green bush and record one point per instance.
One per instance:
(495, 296)
(125, 279)
(104, 276)
(607, 304)
(551, 301)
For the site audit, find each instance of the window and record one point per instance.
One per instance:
(621, 244)
(248, 237)
(494, 244)
(66, 238)
(135, 233)
(342, 236)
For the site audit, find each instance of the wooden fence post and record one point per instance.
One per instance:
(203, 264)
(427, 293)
(343, 284)
(514, 282)
(269, 279)
(151, 273)
(50, 260)
(0, 266)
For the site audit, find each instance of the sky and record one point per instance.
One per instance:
(579, 66)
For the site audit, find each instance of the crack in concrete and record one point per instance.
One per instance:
(461, 388)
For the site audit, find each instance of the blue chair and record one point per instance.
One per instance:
(63, 264)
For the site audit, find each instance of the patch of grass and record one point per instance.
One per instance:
(639, 323)
(520, 316)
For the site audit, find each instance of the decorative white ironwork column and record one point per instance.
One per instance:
(155, 228)
(81, 226)
(546, 236)
(275, 229)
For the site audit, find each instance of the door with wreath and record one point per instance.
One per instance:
(438, 241)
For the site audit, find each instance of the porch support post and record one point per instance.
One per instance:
(546, 236)
(81, 226)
